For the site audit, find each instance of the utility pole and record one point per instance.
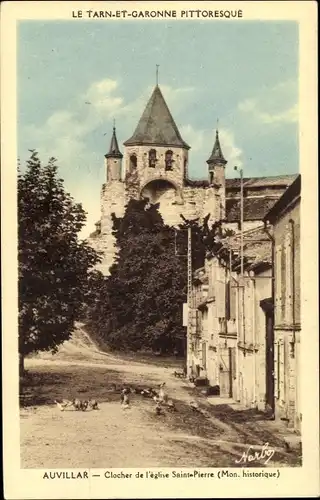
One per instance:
(189, 294)
(190, 310)
(241, 219)
(240, 310)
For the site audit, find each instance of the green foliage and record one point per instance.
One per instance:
(139, 306)
(54, 266)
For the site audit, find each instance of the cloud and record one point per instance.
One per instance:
(274, 106)
(202, 141)
(66, 135)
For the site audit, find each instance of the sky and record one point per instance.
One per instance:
(241, 76)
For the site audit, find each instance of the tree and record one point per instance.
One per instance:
(54, 266)
(139, 305)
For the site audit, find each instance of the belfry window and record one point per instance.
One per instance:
(133, 162)
(211, 177)
(169, 160)
(152, 158)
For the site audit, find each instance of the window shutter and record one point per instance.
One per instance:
(228, 297)
(276, 371)
(281, 370)
(288, 279)
(233, 300)
(221, 299)
(278, 285)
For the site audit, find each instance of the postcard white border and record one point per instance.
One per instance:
(304, 481)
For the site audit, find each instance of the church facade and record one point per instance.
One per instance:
(154, 164)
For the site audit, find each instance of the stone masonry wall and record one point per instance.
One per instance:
(147, 174)
(112, 201)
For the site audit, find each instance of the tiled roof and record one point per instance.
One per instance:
(291, 193)
(249, 182)
(257, 246)
(275, 180)
(156, 125)
(253, 208)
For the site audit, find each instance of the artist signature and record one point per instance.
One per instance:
(251, 455)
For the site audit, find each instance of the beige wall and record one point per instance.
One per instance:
(287, 317)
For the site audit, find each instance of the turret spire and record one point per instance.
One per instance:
(114, 151)
(216, 156)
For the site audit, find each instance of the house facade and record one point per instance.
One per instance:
(232, 349)
(247, 333)
(284, 221)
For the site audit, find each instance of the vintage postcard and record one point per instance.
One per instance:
(159, 249)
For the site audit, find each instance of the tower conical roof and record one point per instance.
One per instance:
(114, 151)
(216, 155)
(156, 125)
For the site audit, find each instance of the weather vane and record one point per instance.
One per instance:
(157, 73)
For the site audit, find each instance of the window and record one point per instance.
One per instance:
(169, 160)
(152, 158)
(133, 162)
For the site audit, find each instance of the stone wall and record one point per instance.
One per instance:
(147, 173)
(112, 201)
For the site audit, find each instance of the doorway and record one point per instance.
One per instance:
(267, 307)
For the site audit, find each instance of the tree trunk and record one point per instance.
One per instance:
(21, 365)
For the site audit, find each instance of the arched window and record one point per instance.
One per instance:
(169, 160)
(211, 177)
(133, 162)
(152, 158)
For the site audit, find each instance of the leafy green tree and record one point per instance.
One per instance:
(139, 306)
(54, 266)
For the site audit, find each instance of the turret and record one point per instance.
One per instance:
(216, 164)
(113, 160)
(216, 167)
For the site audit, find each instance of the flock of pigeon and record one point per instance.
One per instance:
(159, 397)
(77, 404)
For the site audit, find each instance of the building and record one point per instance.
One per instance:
(154, 164)
(284, 218)
(246, 335)
(234, 329)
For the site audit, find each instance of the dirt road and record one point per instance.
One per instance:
(133, 437)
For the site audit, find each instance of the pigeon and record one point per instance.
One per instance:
(77, 404)
(93, 404)
(62, 405)
(84, 405)
(194, 405)
(171, 405)
(158, 409)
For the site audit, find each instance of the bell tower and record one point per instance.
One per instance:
(156, 152)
